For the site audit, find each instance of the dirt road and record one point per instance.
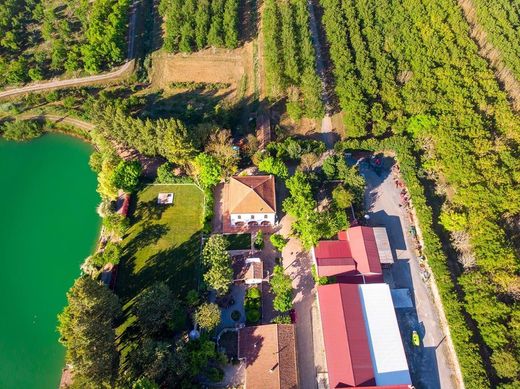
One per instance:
(79, 81)
(63, 119)
(431, 365)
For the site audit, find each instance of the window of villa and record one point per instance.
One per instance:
(252, 217)
(265, 216)
(239, 217)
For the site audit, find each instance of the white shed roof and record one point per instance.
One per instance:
(383, 245)
(384, 338)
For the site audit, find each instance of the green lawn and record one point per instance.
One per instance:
(239, 241)
(163, 244)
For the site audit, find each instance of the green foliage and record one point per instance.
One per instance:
(281, 286)
(21, 130)
(219, 273)
(294, 149)
(290, 58)
(126, 175)
(208, 171)
(165, 174)
(192, 298)
(274, 166)
(252, 305)
(207, 316)
(112, 253)
(278, 241)
(281, 319)
(499, 20)
(154, 308)
(116, 224)
(90, 344)
(317, 279)
(193, 25)
(259, 240)
(342, 197)
(432, 84)
(165, 137)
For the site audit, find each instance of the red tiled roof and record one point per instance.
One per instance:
(346, 342)
(269, 352)
(252, 194)
(354, 253)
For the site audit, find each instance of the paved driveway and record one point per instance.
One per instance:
(309, 339)
(430, 364)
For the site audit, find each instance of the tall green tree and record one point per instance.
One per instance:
(86, 328)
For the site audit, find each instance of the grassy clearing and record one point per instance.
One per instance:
(239, 241)
(163, 244)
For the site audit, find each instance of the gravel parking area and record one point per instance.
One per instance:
(430, 364)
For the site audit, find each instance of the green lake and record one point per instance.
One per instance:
(48, 225)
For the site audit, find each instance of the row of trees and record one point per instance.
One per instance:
(42, 39)
(499, 21)
(194, 25)
(432, 85)
(290, 59)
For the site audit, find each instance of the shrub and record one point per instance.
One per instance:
(317, 279)
(281, 319)
(253, 293)
(207, 316)
(215, 374)
(278, 241)
(259, 240)
(165, 174)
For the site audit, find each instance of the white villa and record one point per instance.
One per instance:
(252, 201)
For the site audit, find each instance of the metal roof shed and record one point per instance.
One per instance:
(383, 246)
(386, 346)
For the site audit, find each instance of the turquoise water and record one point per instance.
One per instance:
(48, 225)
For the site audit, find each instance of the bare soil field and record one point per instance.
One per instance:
(233, 67)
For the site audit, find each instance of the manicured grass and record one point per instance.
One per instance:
(162, 244)
(239, 241)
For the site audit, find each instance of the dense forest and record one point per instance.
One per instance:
(194, 25)
(290, 58)
(40, 39)
(411, 69)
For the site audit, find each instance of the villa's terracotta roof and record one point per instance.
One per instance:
(252, 194)
(269, 352)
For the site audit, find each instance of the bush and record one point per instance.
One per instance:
(215, 374)
(253, 316)
(253, 293)
(281, 319)
(252, 305)
(259, 240)
(317, 279)
(165, 174)
(278, 241)
(22, 130)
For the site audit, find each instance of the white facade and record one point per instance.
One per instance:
(246, 218)
(384, 338)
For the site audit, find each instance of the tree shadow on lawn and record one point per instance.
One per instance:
(150, 235)
(177, 266)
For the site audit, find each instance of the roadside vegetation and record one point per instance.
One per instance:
(45, 39)
(194, 25)
(290, 58)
